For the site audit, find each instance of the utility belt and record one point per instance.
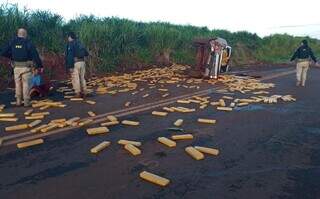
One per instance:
(23, 64)
(304, 60)
(77, 59)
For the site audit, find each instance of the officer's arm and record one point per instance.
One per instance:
(312, 56)
(35, 56)
(294, 56)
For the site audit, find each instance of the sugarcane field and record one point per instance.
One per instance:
(108, 106)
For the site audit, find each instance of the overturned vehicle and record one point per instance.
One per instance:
(213, 57)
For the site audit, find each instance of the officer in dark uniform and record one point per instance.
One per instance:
(23, 54)
(303, 55)
(75, 54)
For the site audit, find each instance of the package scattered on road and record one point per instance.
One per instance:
(112, 118)
(38, 117)
(12, 119)
(158, 113)
(98, 130)
(150, 177)
(100, 147)
(17, 127)
(28, 112)
(7, 115)
(130, 123)
(125, 142)
(206, 121)
(85, 122)
(179, 122)
(38, 129)
(34, 123)
(194, 153)
(30, 143)
(91, 114)
(207, 150)
(167, 142)
(182, 137)
(90, 102)
(112, 123)
(224, 108)
(132, 149)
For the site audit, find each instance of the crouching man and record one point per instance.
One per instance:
(75, 54)
(23, 55)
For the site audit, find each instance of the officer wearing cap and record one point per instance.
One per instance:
(75, 54)
(303, 56)
(24, 56)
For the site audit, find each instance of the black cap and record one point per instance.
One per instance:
(305, 42)
(72, 35)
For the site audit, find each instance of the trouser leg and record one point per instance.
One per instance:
(26, 85)
(82, 77)
(76, 78)
(304, 75)
(18, 85)
(299, 73)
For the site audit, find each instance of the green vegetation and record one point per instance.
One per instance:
(115, 43)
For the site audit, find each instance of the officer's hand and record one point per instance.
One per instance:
(71, 70)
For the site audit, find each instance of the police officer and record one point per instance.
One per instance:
(23, 55)
(75, 54)
(303, 55)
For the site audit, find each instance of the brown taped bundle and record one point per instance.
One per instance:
(28, 112)
(90, 102)
(39, 114)
(110, 123)
(85, 122)
(37, 129)
(98, 130)
(125, 142)
(29, 143)
(206, 121)
(49, 128)
(154, 178)
(6, 115)
(112, 118)
(207, 150)
(91, 114)
(167, 142)
(17, 127)
(158, 113)
(34, 123)
(224, 108)
(130, 123)
(13, 119)
(132, 149)
(39, 117)
(179, 122)
(100, 147)
(182, 137)
(194, 153)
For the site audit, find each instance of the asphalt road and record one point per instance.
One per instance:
(266, 152)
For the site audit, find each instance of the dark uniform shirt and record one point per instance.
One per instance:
(74, 49)
(304, 52)
(21, 50)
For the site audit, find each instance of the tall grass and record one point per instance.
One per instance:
(114, 42)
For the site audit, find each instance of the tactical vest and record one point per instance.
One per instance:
(20, 50)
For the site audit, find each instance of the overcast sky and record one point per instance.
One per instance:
(264, 17)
